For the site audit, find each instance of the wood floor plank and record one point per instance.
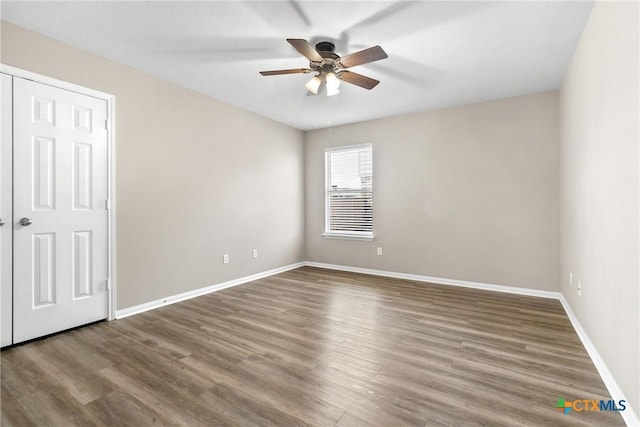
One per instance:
(312, 347)
(56, 406)
(12, 414)
(121, 409)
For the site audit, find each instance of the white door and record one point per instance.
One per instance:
(59, 204)
(5, 210)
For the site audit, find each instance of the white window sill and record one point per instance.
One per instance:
(347, 236)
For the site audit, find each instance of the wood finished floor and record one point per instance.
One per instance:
(312, 347)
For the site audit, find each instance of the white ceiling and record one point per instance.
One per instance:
(441, 54)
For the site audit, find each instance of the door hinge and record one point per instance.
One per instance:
(108, 284)
(106, 124)
(107, 204)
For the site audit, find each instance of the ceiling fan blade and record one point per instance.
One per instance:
(291, 71)
(305, 48)
(358, 79)
(374, 53)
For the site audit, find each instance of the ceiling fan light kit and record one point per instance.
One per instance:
(331, 69)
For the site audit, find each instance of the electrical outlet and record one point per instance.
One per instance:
(379, 251)
(579, 288)
(225, 259)
(570, 279)
(255, 253)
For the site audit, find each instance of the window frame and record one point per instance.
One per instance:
(346, 235)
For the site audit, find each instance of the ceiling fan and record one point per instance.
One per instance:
(330, 67)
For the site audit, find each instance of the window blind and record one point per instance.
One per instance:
(349, 196)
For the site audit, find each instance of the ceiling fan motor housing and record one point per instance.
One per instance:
(327, 51)
(325, 47)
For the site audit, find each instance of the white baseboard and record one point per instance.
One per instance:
(141, 308)
(629, 415)
(440, 281)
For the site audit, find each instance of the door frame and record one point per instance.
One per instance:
(111, 166)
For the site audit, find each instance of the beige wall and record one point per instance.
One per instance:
(196, 178)
(599, 182)
(468, 193)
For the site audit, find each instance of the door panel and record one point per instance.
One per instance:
(60, 189)
(6, 245)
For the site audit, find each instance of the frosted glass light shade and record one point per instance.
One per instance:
(333, 83)
(313, 85)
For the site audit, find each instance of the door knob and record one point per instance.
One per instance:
(25, 221)
(1, 222)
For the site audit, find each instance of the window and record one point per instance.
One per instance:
(349, 192)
